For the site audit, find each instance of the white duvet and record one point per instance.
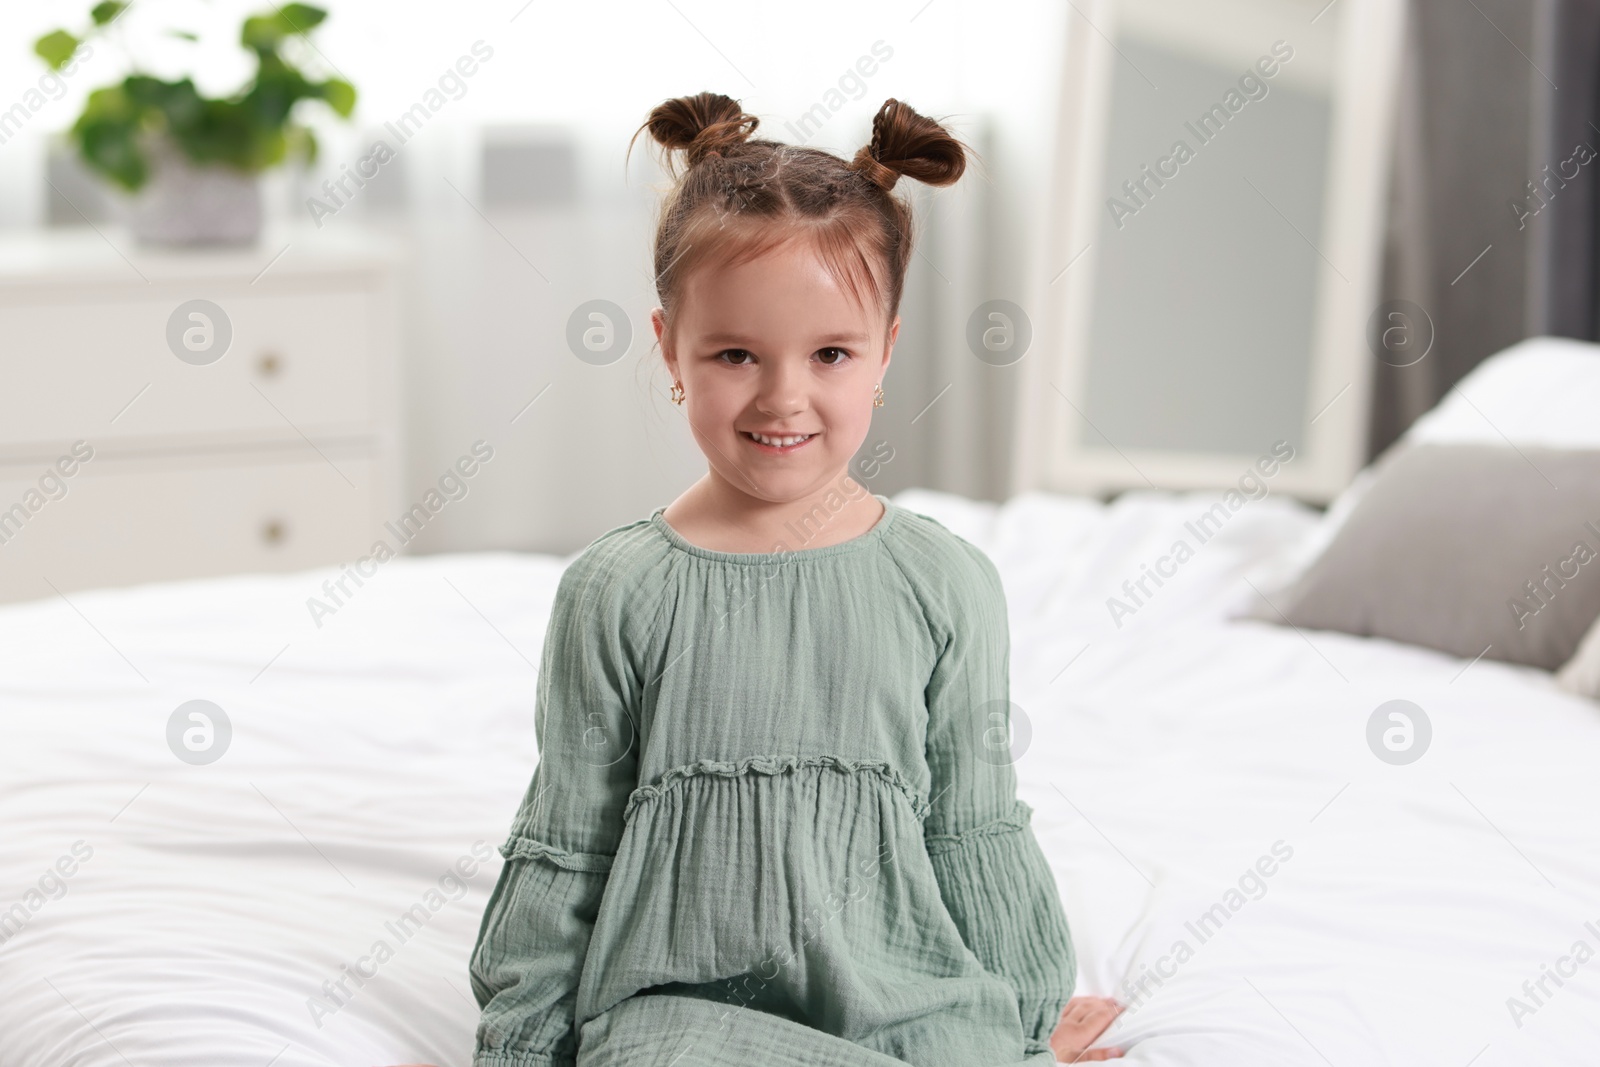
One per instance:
(1235, 861)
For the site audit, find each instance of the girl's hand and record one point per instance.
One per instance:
(1083, 1020)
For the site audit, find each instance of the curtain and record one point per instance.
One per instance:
(1493, 205)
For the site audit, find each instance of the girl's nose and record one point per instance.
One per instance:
(782, 393)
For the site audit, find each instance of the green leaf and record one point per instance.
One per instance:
(340, 95)
(263, 33)
(303, 143)
(268, 149)
(185, 34)
(103, 13)
(302, 17)
(178, 103)
(223, 132)
(277, 89)
(117, 157)
(56, 48)
(107, 136)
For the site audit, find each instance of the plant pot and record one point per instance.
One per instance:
(186, 203)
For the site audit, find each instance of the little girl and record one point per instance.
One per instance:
(771, 822)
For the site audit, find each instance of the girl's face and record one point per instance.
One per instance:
(776, 347)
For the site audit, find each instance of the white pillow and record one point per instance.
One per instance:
(1581, 675)
(1541, 391)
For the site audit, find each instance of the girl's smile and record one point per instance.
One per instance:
(776, 444)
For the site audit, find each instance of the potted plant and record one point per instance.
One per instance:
(191, 164)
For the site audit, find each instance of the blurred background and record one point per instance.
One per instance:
(435, 335)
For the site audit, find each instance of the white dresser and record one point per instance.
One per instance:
(169, 414)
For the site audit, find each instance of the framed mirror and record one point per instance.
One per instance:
(1215, 250)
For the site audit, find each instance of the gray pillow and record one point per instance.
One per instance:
(1459, 547)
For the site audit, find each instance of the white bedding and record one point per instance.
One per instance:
(1167, 757)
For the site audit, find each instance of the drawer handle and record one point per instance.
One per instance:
(270, 365)
(274, 532)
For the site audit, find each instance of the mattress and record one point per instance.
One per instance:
(1239, 862)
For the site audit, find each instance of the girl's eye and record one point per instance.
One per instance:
(739, 357)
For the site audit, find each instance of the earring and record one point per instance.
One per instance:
(677, 392)
(877, 400)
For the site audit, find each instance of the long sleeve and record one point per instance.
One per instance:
(535, 932)
(992, 874)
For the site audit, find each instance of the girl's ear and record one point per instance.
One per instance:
(658, 320)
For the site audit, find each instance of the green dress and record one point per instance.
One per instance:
(774, 819)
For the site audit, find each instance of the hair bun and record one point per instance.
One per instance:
(700, 125)
(904, 142)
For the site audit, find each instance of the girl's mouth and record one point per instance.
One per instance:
(771, 445)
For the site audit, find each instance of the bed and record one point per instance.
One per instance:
(1236, 865)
